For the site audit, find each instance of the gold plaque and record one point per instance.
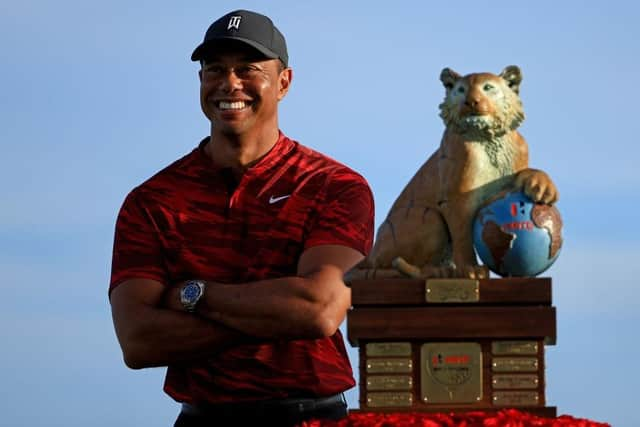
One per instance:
(388, 399)
(452, 290)
(514, 381)
(389, 382)
(451, 372)
(524, 348)
(389, 366)
(514, 364)
(515, 398)
(388, 349)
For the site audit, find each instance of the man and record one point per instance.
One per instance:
(228, 264)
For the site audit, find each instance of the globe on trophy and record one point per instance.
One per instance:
(516, 237)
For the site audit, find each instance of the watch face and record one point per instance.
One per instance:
(190, 294)
(191, 291)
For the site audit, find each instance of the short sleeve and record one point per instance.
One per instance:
(137, 252)
(346, 216)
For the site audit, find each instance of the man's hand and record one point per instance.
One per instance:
(151, 334)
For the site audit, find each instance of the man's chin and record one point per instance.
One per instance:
(230, 130)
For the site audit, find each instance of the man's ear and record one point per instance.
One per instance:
(284, 82)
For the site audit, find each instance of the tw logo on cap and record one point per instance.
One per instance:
(234, 22)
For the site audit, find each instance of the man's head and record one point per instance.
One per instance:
(244, 73)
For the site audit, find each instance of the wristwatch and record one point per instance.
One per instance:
(190, 294)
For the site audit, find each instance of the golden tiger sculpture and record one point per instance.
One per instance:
(428, 231)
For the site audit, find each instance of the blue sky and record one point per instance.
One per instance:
(98, 96)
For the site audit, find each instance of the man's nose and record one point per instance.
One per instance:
(231, 81)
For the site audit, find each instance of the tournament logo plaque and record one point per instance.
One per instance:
(452, 372)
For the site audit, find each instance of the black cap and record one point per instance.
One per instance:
(251, 28)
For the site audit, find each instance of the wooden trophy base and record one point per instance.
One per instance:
(452, 345)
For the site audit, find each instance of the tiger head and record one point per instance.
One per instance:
(482, 104)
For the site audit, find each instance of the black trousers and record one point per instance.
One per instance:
(285, 413)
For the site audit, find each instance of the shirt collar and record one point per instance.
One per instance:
(279, 150)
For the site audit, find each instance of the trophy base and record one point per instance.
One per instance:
(452, 345)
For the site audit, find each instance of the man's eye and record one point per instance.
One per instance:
(213, 69)
(246, 70)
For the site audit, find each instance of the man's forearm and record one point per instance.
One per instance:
(274, 308)
(162, 336)
(310, 305)
(288, 307)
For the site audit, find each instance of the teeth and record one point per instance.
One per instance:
(236, 105)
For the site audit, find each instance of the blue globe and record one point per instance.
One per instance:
(516, 237)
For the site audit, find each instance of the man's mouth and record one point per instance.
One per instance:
(232, 105)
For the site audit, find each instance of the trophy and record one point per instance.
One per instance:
(435, 332)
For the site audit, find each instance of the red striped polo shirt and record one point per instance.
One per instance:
(191, 220)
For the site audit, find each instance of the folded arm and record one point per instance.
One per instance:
(153, 335)
(154, 330)
(312, 304)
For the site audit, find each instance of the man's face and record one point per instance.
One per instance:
(239, 91)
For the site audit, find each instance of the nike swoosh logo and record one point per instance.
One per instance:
(273, 200)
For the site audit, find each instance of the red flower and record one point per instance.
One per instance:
(504, 418)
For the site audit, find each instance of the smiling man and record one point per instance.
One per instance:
(228, 264)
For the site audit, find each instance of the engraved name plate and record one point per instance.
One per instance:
(452, 290)
(524, 348)
(451, 372)
(389, 382)
(514, 364)
(388, 349)
(389, 366)
(514, 381)
(389, 399)
(515, 398)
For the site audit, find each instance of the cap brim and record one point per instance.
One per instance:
(210, 46)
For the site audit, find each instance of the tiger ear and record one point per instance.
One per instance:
(448, 77)
(513, 77)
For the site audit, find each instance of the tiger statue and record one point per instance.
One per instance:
(428, 231)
